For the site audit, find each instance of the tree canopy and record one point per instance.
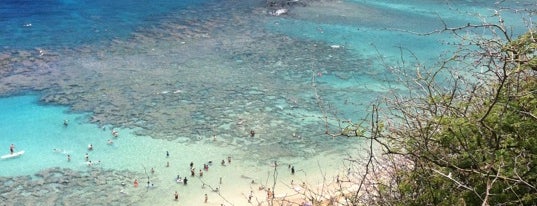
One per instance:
(472, 141)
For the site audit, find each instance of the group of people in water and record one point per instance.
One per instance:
(179, 179)
(184, 180)
(90, 147)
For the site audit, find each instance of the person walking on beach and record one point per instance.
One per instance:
(11, 148)
(269, 194)
(206, 198)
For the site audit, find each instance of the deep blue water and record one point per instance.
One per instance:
(27, 24)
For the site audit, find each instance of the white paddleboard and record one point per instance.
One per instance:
(15, 154)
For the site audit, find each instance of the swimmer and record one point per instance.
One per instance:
(90, 147)
(201, 173)
(86, 157)
(168, 164)
(293, 170)
(228, 159)
(68, 158)
(252, 133)
(191, 165)
(167, 154)
(135, 182)
(176, 196)
(110, 142)
(206, 198)
(115, 133)
(185, 181)
(152, 171)
(65, 123)
(223, 163)
(89, 163)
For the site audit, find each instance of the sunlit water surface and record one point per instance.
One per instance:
(195, 78)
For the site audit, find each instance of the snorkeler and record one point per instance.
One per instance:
(114, 133)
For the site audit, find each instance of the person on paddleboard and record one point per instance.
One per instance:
(12, 148)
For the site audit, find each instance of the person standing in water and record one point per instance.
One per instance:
(12, 148)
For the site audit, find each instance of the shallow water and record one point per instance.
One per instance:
(194, 78)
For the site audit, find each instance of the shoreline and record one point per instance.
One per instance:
(110, 187)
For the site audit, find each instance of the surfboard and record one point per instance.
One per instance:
(15, 154)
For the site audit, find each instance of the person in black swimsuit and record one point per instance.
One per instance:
(12, 148)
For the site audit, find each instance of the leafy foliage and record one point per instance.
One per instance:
(474, 142)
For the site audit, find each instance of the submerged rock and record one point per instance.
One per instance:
(57, 186)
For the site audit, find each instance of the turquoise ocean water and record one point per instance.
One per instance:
(194, 78)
